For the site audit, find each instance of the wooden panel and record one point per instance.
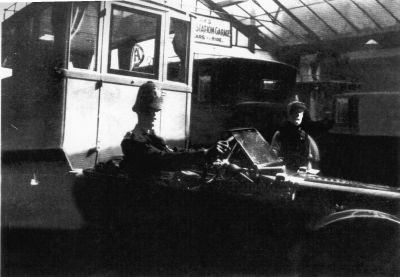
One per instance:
(80, 129)
(31, 115)
(173, 118)
(116, 117)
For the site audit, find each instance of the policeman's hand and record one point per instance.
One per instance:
(219, 149)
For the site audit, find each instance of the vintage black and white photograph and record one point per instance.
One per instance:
(200, 138)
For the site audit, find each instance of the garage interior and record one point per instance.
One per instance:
(336, 47)
(332, 47)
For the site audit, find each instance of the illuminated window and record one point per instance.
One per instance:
(268, 84)
(28, 42)
(342, 111)
(134, 42)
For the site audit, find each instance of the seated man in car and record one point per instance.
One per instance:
(292, 144)
(146, 155)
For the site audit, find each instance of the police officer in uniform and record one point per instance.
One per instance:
(148, 203)
(291, 143)
(146, 155)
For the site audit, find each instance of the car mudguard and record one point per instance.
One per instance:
(352, 214)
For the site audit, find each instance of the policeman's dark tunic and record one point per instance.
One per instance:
(292, 144)
(146, 160)
(147, 155)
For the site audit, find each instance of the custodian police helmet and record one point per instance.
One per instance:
(149, 98)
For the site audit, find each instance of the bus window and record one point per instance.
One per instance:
(134, 43)
(35, 42)
(9, 46)
(40, 47)
(177, 50)
(83, 35)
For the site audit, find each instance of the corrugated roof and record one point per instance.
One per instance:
(292, 23)
(297, 22)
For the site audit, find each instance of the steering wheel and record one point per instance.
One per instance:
(214, 171)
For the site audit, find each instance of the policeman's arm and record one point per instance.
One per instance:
(165, 160)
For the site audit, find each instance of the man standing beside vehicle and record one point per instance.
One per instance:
(291, 143)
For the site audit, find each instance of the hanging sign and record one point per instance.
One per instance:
(213, 31)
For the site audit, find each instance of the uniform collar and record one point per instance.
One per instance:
(141, 132)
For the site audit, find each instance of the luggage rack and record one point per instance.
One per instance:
(14, 8)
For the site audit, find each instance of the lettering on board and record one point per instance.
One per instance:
(213, 31)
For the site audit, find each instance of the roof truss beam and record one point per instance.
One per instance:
(251, 32)
(319, 17)
(261, 24)
(276, 21)
(342, 16)
(227, 3)
(314, 36)
(367, 14)
(388, 11)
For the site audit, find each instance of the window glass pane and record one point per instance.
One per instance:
(9, 46)
(29, 42)
(84, 34)
(134, 42)
(234, 36)
(177, 48)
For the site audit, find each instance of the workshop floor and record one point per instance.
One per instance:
(87, 253)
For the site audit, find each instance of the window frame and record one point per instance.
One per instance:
(160, 19)
(27, 16)
(98, 51)
(188, 48)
